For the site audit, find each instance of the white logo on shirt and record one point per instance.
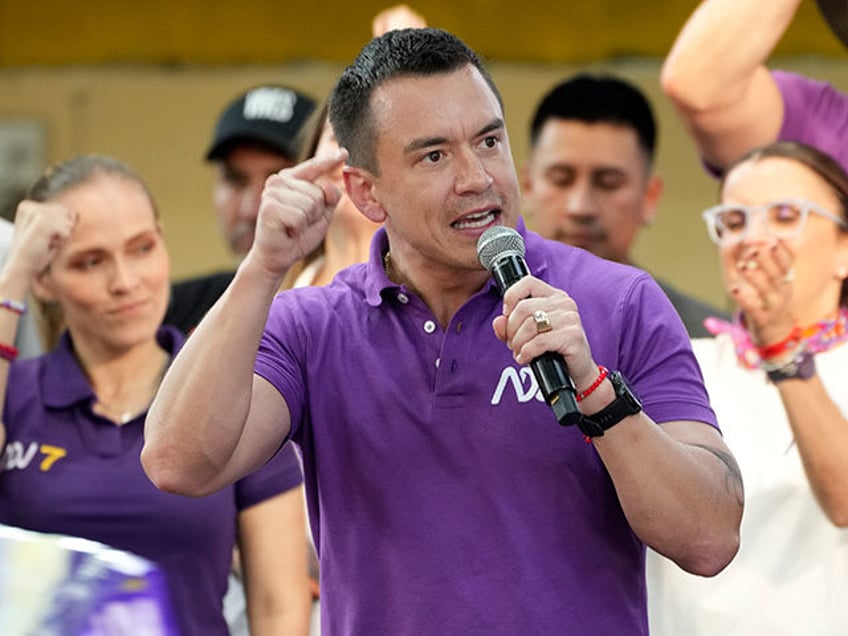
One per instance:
(523, 383)
(17, 456)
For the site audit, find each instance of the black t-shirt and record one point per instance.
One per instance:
(193, 297)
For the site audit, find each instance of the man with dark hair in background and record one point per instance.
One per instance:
(256, 135)
(590, 181)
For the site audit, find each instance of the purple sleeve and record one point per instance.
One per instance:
(281, 350)
(657, 357)
(815, 113)
(279, 475)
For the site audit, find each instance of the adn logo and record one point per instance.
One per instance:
(523, 383)
(17, 456)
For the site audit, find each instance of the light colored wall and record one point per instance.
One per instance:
(159, 121)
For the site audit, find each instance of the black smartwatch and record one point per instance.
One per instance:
(625, 403)
(801, 367)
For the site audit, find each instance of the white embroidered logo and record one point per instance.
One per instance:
(523, 383)
(276, 104)
(17, 456)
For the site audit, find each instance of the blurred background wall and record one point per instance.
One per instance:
(145, 81)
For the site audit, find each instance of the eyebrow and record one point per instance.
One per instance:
(427, 142)
(97, 249)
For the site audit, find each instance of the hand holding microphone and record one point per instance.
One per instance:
(540, 326)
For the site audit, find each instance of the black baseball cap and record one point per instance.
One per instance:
(269, 115)
(835, 13)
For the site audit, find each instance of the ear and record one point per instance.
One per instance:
(840, 271)
(651, 199)
(42, 287)
(360, 185)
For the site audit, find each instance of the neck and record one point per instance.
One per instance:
(444, 290)
(344, 247)
(123, 381)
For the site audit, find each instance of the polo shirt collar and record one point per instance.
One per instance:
(377, 283)
(63, 382)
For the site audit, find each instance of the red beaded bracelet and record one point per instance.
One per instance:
(8, 352)
(604, 372)
(779, 348)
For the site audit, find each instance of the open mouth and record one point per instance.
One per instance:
(477, 220)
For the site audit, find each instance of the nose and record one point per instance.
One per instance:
(757, 229)
(579, 200)
(124, 277)
(249, 200)
(472, 175)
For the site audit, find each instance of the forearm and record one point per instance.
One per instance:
(14, 286)
(274, 547)
(197, 419)
(679, 488)
(288, 619)
(720, 48)
(821, 433)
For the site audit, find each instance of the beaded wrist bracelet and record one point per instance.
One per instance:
(15, 306)
(8, 352)
(602, 373)
(789, 343)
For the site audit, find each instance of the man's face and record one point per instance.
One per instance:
(445, 169)
(589, 185)
(240, 177)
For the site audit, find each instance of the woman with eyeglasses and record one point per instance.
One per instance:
(776, 378)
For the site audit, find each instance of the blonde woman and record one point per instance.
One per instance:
(88, 241)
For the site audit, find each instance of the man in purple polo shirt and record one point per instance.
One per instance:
(444, 497)
(716, 76)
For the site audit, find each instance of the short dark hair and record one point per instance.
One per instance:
(826, 167)
(599, 99)
(398, 53)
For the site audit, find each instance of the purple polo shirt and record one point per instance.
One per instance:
(67, 470)
(444, 497)
(815, 113)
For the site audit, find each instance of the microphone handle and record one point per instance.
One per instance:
(557, 387)
(549, 368)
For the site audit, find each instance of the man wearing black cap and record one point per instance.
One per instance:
(716, 76)
(257, 135)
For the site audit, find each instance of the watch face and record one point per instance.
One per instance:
(623, 390)
(624, 404)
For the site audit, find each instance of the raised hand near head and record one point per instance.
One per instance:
(294, 213)
(40, 230)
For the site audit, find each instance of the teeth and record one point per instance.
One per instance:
(475, 220)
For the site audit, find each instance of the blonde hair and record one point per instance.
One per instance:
(55, 180)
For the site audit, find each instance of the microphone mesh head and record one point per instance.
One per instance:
(497, 242)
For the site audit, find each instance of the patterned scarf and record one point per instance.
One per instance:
(821, 336)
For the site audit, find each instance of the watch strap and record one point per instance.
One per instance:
(624, 404)
(800, 367)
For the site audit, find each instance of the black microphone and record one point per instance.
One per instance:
(500, 250)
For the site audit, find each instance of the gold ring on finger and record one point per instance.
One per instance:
(542, 320)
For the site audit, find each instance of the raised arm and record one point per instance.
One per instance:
(40, 228)
(716, 76)
(213, 420)
(678, 483)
